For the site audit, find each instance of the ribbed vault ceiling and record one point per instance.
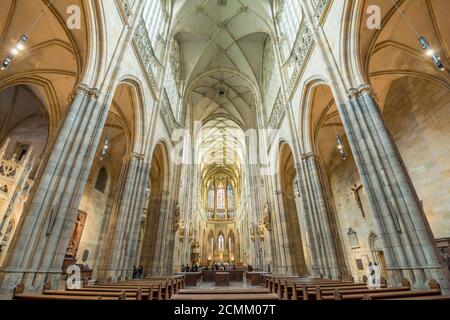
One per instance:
(221, 44)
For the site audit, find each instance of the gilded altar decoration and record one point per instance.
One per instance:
(261, 230)
(267, 217)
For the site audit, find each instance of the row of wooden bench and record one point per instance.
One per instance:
(229, 294)
(295, 288)
(149, 289)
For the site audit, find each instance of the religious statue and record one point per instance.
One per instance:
(71, 250)
(176, 220)
(191, 232)
(355, 190)
(4, 240)
(4, 188)
(261, 230)
(181, 230)
(252, 234)
(267, 217)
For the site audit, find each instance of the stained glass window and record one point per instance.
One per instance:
(211, 197)
(220, 196)
(230, 197)
(221, 243)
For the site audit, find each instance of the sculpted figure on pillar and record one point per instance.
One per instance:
(176, 219)
(267, 217)
(261, 230)
(181, 230)
(252, 234)
(191, 232)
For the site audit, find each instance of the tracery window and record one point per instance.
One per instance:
(221, 243)
(211, 197)
(102, 180)
(220, 196)
(290, 18)
(230, 197)
(220, 199)
(155, 19)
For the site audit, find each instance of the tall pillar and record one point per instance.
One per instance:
(120, 247)
(281, 230)
(38, 249)
(317, 217)
(408, 242)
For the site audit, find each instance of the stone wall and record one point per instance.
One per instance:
(417, 113)
(343, 175)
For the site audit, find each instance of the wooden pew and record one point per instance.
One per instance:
(226, 297)
(225, 291)
(19, 294)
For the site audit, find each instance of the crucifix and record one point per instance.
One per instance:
(355, 190)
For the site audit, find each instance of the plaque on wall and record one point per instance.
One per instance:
(359, 264)
(353, 237)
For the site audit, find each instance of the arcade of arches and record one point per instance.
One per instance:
(279, 134)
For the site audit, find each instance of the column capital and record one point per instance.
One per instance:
(310, 155)
(134, 156)
(360, 90)
(84, 89)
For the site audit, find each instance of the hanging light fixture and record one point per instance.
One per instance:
(339, 144)
(423, 42)
(105, 149)
(20, 46)
(431, 53)
(340, 147)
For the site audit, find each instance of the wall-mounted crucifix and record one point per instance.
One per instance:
(356, 193)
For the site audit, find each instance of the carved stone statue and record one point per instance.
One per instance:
(176, 219)
(76, 235)
(73, 241)
(267, 217)
(252, 234)
(191, 232)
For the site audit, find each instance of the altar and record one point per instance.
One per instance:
(235, 275)
(222, 279)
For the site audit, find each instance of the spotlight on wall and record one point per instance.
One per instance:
(340, 147)
(431, 53)
(20, 46)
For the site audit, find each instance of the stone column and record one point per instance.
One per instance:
(119, 248)
(319, 230)
(40, 244)
(163, 235)
(281, 230)
(408, 242)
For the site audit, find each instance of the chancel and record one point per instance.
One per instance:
(224, 150)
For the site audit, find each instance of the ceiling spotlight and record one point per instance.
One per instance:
(431, 53)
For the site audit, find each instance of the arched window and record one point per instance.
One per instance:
(211, 197)
(155, 20)
(290, 18)
(221, 243)
(220, 196)
(230, 197)
(102, 180)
